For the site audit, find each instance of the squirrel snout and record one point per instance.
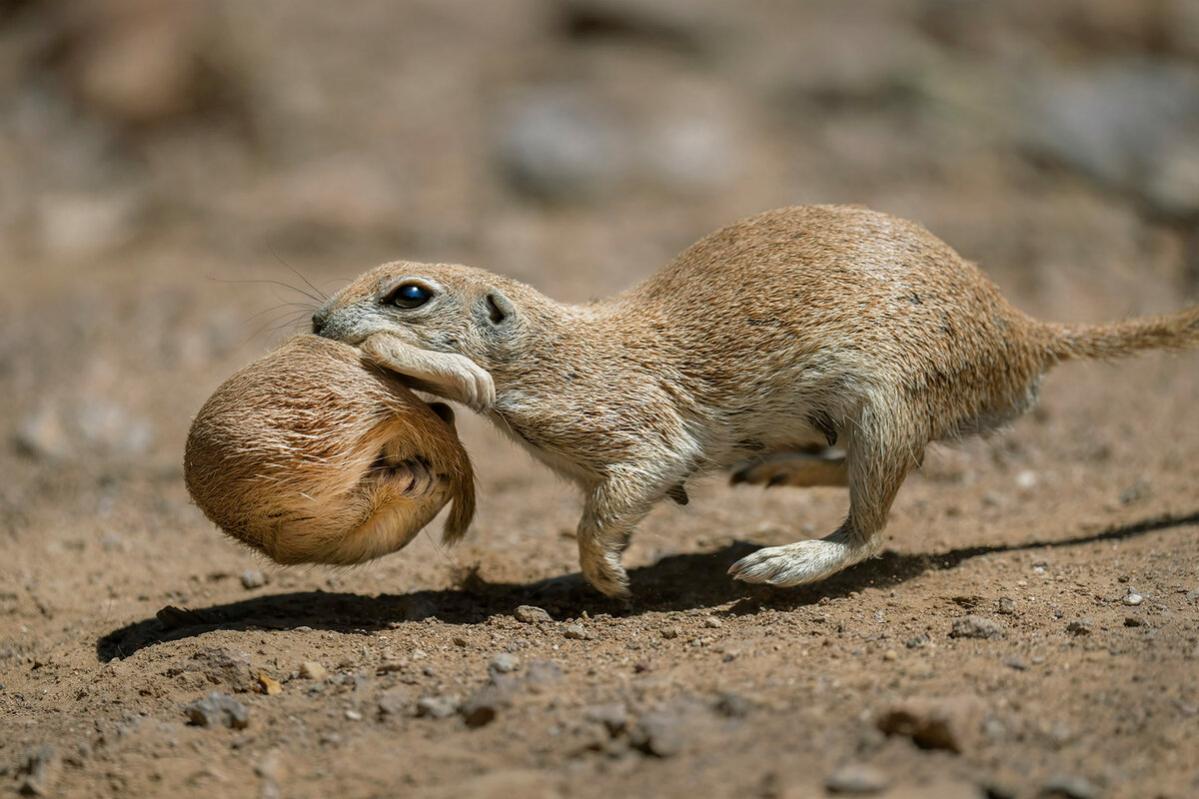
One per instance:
(319, 319)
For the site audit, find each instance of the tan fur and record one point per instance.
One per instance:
(313, 456)
(796, 327)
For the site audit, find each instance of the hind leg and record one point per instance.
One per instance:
(884, 447)
(794, 468)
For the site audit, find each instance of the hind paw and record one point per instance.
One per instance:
(793, 564)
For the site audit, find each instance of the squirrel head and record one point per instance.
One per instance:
(438, 307)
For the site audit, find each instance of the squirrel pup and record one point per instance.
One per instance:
(799, 327)
(312, 455)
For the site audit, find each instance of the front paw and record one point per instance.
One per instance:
(606, 575)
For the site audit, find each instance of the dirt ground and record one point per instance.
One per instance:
(1032, 627)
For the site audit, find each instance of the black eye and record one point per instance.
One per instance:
(409, 295)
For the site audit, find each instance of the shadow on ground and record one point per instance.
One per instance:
(676, 582)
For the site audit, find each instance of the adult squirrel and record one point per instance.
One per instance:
(799, 326)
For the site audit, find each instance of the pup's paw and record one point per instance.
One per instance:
(413, 477)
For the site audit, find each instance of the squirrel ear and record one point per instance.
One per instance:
(498, 308)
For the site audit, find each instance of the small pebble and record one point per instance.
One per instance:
(1068, 787)
(218, 709)
(658, 733)
(268, 684)
(1132, 599)
(1007, 605)
(713, 622)
(733, 706)
(530, 614)
(312, 670)
(975, 627)
(614, 717)
(950, 723)
(39, 769)
(436, 707)
(1079, 627)
(484, 705)
(890, 654)
(252, 578)
(353, 715)
(856, 779)
(577, 632)
(541, 673)
(503, 663)
(670, 632)
(394, 702)
(1132, 621)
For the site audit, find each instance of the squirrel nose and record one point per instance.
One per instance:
(319, 320)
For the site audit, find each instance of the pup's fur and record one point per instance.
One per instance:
(798, 327)
(313, 456)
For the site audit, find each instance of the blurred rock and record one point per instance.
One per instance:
(92, 427)
(1080, 627)
(1182, 26)
(976, 627)
(437, 707)
(268, 684)
(541, 674)
(220, 666)
(252, 578)
(1132, 125)
(484, 705)
(661, 733)
(395, 702)
(850, 60)
(1068, 786)
(138, 62)
(344, 194)
(313, 670)
(856, 779)
(218, 709)
(530, 614)
(950, 723)
(38, 771)
(80, 224)
(691, 152)
(680, 25)
(559, 146)
(614, 717)
(503, 663)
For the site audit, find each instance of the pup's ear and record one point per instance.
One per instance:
(496, 308)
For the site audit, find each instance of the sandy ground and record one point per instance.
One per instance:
(1032, 627)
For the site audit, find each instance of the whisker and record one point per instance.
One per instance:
(267, 282)
(296, 272)
(305, 307)
(273, 325)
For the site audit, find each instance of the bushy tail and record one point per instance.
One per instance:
(1173, 332)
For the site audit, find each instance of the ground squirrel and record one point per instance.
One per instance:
(312, 455)
(799, 326)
